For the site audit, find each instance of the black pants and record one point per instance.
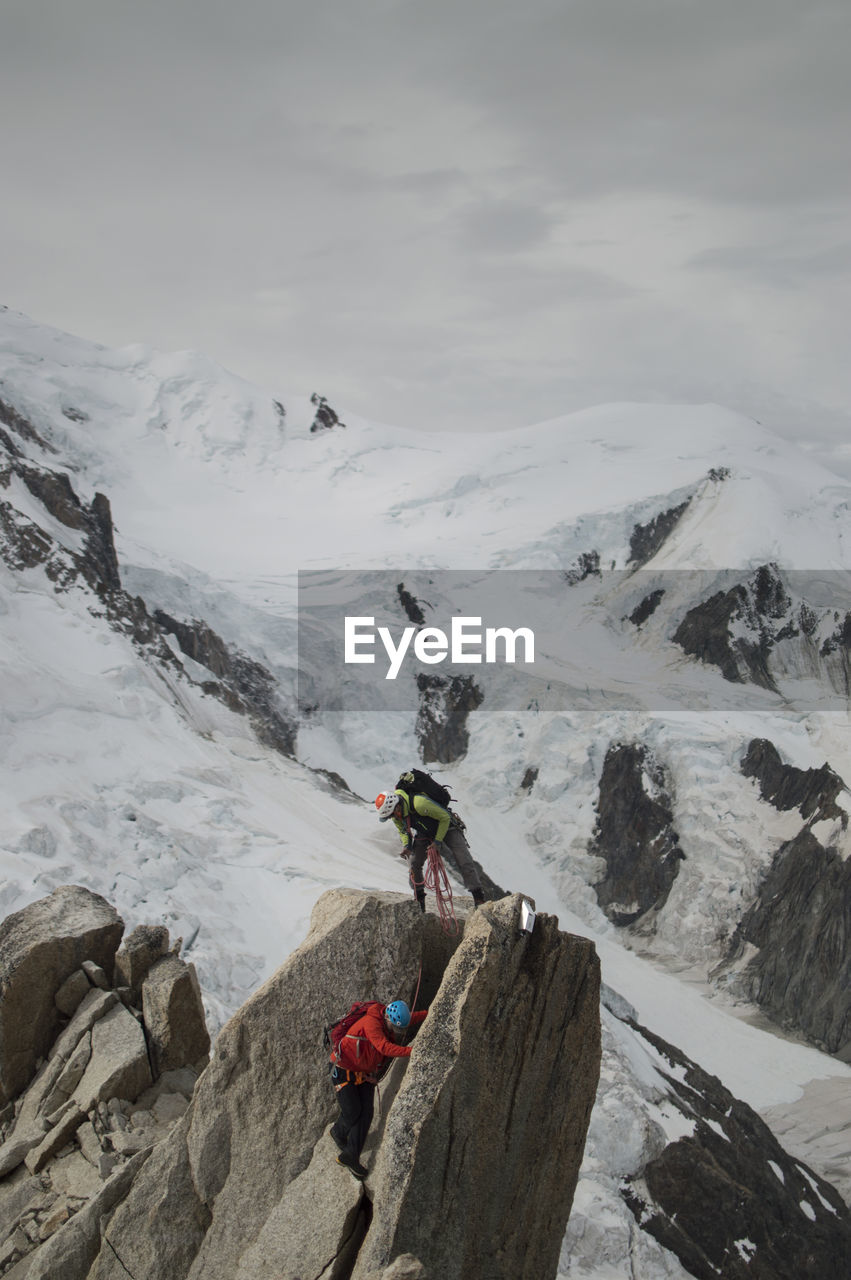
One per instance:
(356, 1102)
(457, 844)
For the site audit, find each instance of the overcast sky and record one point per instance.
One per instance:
(483, 212)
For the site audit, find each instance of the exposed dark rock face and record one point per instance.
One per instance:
(53, 489)
(411, 605)
(325, 418)
(24, 545)
(647, 607)
(530, 777)
(21, 425)
(840, 641)
(756, 632)
(812, 791)
(587, 566)
(445, 703)
(728, 1200)
(755, 607)
(634, 834)
(101, 545)
(801, 923)
(705, 634)
(649, 538)
(242, 684)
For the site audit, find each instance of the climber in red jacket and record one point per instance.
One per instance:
(363, 1054)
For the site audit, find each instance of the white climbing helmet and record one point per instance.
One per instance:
(385, 803)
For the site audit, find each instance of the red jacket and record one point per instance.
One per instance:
(365, 1047)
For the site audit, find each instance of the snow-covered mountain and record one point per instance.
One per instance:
(670, 780)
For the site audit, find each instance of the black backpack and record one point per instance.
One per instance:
(417, 783)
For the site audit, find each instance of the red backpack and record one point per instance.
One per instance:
(337, 1030)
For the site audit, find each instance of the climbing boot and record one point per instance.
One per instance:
(354, 1166)
(478, 897)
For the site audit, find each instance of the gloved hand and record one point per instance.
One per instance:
(403, 853)
(436, 846)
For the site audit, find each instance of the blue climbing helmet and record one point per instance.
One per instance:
(398, 1014)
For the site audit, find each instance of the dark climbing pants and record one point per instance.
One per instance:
(356, 1102)
(459, 849)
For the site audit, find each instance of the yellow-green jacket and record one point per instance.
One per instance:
(426, 818)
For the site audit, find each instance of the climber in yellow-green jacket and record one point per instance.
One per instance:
(423, 823)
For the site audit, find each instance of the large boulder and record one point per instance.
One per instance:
(174, 1015)
(142, 948)
(118, 1066)
(40, 947)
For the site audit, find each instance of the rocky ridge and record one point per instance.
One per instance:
(790, 952)
(762, 630)
(681, 1179)
(100, 1051)
(74, 544)
(512, 1036)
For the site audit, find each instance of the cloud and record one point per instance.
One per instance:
(435, 211)
(503, 226)
(778, 266)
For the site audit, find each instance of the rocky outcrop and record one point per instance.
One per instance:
(248, 1186)
(791, 951)
(530, 777)
(486, 1134)
(240, 683)
(40, 948)
(586, 565)
(325, 418)
(634, 834)
(411, 605)
(813, 792)
(800, 925)
(733, 629)
(762, 629)
(174, 1015)
(23, 427)
(25, 545)
(647, 607)
(726, 1198)
(73, 1139)
(445, 704)
(680, 1177)
(140, 949)
(647, 539)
